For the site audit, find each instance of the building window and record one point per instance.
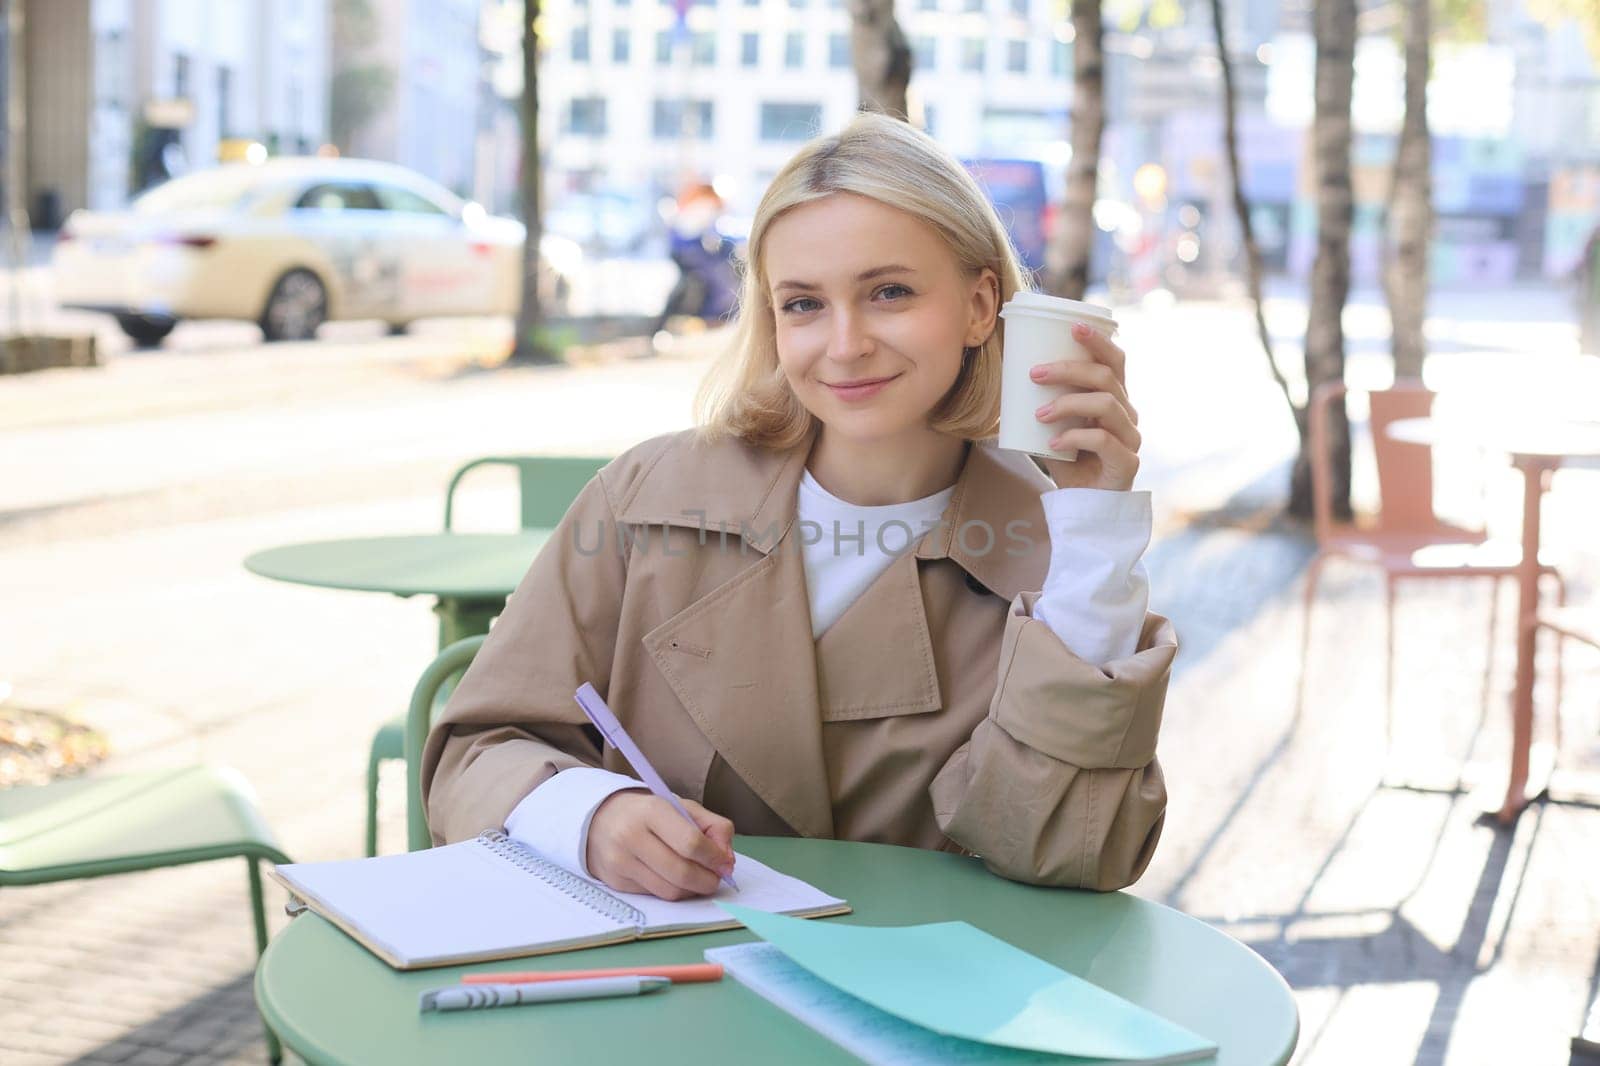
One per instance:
(794, 50)
(679, 118)
(1019, 8)
(928, 112)
(752, 3)
(586, 116)
(972, 53)
(973, 6)
(180, 76)
(621, 45)
(1060, 58)
(798, 5)
(664, 47)
(924, 50)
(703, 49)
(790, 122)
(1017, 57)
(622, 3)
(927, 5)
(749, 49)
(580, 44)
(838, 50)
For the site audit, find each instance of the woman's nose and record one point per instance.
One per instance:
(849, 339)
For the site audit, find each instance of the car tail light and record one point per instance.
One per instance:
(189, 240)
(64, 235)
(482, 248)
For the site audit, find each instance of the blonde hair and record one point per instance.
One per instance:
(745, 393)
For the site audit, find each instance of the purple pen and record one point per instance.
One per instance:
(601, 717)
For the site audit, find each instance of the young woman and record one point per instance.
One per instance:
(835, 609)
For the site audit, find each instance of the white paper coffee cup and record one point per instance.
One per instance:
(1038, 329)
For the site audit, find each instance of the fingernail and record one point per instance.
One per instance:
(1037, 373)
(1042, 411)
(1080, 331)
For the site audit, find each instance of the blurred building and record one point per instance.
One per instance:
(427, 53)
(639, 101)
(635, 100)
(121, 93)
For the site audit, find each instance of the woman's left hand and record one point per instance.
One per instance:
(1108, 447)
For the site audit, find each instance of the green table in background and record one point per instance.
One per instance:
(471, 574)
(332, 1002)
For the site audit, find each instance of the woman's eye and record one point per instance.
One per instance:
(894, 292)
(799, 306)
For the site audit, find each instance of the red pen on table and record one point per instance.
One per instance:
(680, 974)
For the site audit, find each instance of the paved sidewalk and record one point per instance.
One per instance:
(1410, 933)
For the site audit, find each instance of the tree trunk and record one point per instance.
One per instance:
(1405, 267)
(1335, 30)
(882, 57)
(1067, 263)
(18, 230)
(1241, 203)
(531, 344)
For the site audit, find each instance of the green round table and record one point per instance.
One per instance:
(332, 1002)
(470, 573)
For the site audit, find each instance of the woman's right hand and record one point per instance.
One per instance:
(638, 843)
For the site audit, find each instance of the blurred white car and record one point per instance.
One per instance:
(293, 243)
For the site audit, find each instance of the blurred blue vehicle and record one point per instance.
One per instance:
(1017, 189)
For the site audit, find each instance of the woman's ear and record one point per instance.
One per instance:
(984, 307)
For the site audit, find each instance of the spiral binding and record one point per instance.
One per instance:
(567, 883)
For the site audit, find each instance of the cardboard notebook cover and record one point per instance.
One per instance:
(493, 898)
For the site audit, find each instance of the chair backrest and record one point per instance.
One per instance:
(548, 484)
(1405, 470)
(427, 698)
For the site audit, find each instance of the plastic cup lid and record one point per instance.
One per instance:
(1037, 303)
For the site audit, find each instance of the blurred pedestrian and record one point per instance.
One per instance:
(704, 255)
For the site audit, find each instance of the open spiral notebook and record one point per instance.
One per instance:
(491, 897)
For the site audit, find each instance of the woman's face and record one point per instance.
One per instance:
(872, 312)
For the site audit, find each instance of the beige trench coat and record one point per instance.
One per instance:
(935, 713)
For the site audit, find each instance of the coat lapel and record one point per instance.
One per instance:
(877, 659)
(741, 658)
(742, 662)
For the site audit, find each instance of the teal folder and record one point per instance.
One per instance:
(955, 979)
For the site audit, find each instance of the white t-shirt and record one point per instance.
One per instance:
(1094, 599)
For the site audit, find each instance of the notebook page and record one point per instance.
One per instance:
(760, 888)
(457, 901)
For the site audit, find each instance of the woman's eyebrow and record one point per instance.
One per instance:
(865, 275)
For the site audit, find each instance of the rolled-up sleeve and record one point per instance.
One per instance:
(1059, 784)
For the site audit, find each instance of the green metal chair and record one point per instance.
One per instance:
(426, 699)
(548, 485)
(98, 826)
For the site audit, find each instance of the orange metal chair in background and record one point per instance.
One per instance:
(1406, 538)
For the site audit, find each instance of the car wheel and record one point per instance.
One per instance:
(297, 306)
(146, 331)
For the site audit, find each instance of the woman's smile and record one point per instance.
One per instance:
(860, 388)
